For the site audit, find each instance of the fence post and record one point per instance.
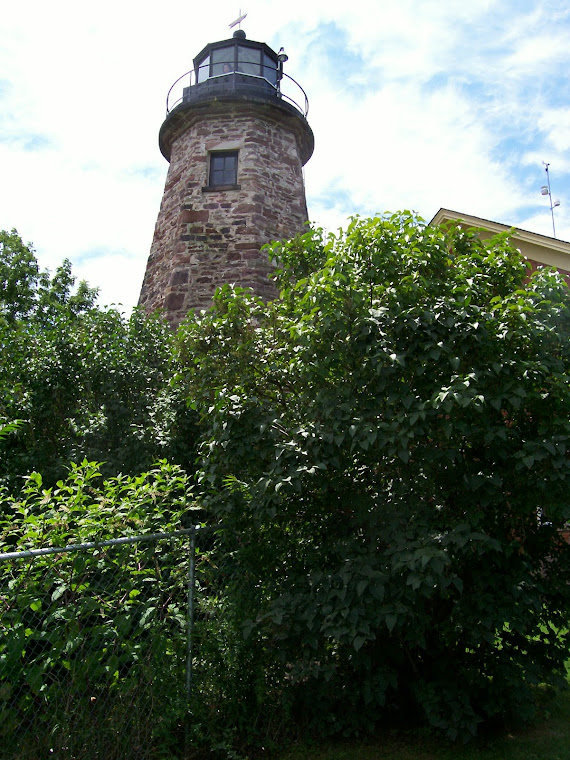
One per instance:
(191, 584)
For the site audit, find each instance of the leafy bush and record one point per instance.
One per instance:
(93, 642)
(387, 447)
(384, 453)
(85, 382)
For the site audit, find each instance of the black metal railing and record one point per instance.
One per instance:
(284, 87)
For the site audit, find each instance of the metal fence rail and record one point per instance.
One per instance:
(96, 647)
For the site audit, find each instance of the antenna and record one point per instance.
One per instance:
(545, 190)
(238, 20)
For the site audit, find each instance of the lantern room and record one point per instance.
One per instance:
(238, 67)
(254, 59)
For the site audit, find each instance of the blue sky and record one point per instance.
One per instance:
(415, 104)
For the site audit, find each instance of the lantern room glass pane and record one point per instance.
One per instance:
(203, 71)
(222, 61)
(270, 69)
(249, 61)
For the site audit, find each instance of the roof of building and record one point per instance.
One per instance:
(539, 249)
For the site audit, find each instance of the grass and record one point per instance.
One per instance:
(547, 740)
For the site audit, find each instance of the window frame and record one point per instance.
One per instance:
(224, 172)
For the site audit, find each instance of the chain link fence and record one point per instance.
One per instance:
(98, 642)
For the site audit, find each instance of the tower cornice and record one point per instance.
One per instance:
(188, 114)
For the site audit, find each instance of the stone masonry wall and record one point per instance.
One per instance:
(204, 238)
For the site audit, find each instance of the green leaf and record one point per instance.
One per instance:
(391, 621)
(358, 642)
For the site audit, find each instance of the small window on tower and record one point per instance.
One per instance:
(223, 168)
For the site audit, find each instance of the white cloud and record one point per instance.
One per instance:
(555, 123)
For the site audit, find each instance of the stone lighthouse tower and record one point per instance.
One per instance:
(237, 137)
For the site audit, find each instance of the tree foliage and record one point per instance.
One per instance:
(28, 293)
(383, 449)
(386, 446)
(85, 382)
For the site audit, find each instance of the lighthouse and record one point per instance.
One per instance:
(236, 137)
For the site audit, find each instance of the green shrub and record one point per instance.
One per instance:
(93, 642)
(387, 447)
